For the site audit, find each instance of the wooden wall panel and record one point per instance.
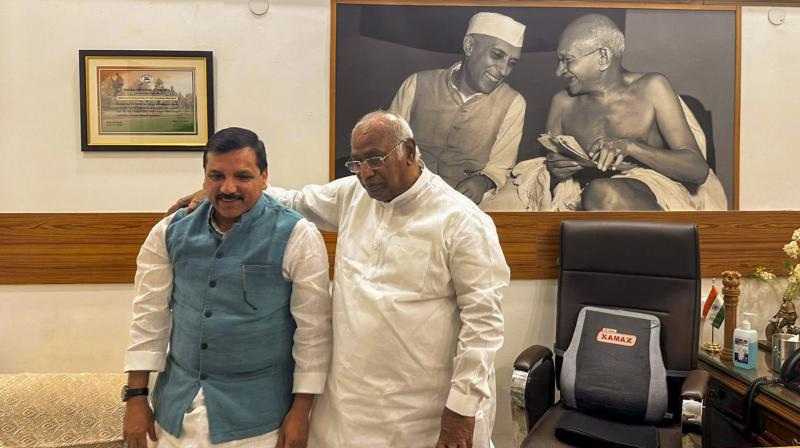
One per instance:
(71, 247)
(58, 248)
(738, 240)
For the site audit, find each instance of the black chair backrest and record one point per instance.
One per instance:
(647, 267)
(703, 117)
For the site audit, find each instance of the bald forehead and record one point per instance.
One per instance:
(371, 134)
(375, 127)
(592, 31)
(577, 36)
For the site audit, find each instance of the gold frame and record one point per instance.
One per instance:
(147, 127)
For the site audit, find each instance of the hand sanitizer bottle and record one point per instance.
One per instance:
(745, 345)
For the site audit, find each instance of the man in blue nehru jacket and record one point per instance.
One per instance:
(232, 308)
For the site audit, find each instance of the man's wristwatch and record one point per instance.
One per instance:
(128, 393)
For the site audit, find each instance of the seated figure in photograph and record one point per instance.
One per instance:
(466, 119)
(640, 139)
(232, 309)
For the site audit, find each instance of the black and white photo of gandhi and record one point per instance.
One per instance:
(539, 112)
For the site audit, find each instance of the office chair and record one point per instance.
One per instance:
(651, 268)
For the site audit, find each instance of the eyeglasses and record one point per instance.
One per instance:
(354, 166)
(567, 61)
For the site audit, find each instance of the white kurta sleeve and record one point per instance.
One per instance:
(480, 274)
(305, 263)
(404, 98)
(504, 152)
(317, 203)
(152, 318)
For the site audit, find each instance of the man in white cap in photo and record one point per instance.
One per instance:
(467, 121)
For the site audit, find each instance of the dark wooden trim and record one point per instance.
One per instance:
(58, 248)
(331, 97)
(737, 110)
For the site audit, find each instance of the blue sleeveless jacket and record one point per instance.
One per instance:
(231, 326)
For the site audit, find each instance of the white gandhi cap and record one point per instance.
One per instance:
(497, 25)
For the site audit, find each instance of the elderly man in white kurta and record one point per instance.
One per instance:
(466, 119)
(416, 300)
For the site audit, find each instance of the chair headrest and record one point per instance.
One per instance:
(631, 247)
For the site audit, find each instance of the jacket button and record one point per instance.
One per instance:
(203, 376)
(203, 346)
(208, 313)
(212, 283)
(219, 254)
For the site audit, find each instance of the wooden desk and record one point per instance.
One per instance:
(777, 408)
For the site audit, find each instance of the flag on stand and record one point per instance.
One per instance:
(714, 308)
(712, 295)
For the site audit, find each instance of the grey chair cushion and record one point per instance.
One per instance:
(542, 435)
(613, 367)
(582, 430)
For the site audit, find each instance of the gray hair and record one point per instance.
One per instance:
(602, 32)
(389, 123)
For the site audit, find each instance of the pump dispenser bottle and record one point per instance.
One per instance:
(745, 345)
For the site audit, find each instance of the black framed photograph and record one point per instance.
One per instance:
(639, 99)
(139, 100)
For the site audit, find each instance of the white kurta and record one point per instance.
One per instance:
(416, 313)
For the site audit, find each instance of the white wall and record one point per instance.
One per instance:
(271, 75)
(770, 100)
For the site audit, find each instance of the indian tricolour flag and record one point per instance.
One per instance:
(714, 308)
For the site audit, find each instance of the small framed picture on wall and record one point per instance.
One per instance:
(137, 100)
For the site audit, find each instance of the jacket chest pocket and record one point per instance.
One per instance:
(263, 287)
(406, 263)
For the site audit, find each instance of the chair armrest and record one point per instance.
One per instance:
(532, 386)
(692, 394)
(695, 385)
(531, 356)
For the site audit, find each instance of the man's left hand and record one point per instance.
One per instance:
(475, 186)
(294, 430)
(456, 430)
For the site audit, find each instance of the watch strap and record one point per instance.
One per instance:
(128, 393)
